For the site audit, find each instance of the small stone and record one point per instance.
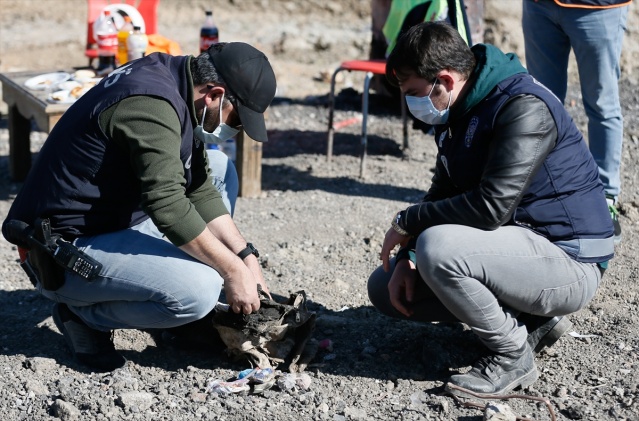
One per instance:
(198, 397)
(390, 386)
(498, 412)
(36, 387)
(65, 411)
(561, 392)
(40, 364)
(303, 381)
(141, 400)
(355, 413)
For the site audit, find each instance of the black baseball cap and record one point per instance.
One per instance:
(247, 73)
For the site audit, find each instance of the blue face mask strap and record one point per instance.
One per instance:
(203, 114)
(221, 103)
(450, 95)
(433, 87)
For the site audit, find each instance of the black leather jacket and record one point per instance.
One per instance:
(516, 158)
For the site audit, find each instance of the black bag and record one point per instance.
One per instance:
(277, 333)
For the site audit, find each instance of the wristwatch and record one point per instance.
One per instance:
(250, 249)
(395, 225)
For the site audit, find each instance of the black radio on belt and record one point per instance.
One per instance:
(71, 258)
(42, 243)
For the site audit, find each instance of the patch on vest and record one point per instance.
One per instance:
(470, 132)
(445, 162)
(442, 136)
(117, 72)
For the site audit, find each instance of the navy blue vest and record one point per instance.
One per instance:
(565, 200)
(82, 181)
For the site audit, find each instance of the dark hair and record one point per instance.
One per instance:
(426, 49)
(203, 71)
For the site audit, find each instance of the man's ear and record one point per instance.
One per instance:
(212, 94)
(447, 80)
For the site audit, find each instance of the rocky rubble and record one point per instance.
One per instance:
(321, 231)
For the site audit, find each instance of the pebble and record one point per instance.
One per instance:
(498, 412)
(65, 410)
(140, 400)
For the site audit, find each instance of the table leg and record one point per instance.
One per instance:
(19, 144)
(249, 165)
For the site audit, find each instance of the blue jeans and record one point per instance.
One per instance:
(224, 177)
(596, 37)
(486, 278)
(146, 281)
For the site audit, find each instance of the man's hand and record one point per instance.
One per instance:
(254, 266)
(240, 288)
(391, 240)
(401, 287)
(217, 247)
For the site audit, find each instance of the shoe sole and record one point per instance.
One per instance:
(556, 332)
(522, 382)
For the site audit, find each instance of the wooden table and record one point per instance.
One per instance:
(25, 104)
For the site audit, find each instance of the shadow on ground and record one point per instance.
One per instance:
(365, 343)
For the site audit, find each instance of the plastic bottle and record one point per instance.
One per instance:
(136, 44)
(209, 33)
(106, 36)
(123, 34)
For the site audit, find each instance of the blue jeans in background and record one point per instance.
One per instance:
(146, 282)
(595, 36)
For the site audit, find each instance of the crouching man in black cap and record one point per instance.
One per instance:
(126, 169)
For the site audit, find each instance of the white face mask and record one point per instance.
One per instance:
(221, 134)
(423, 109)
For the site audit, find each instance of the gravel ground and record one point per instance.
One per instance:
(321, 231)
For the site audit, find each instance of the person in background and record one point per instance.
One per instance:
(405, 14)
(399, 16)
(594, 30)
(514, 232)
(125, 176)
(391, 18)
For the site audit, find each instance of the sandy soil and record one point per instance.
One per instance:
(317, 230)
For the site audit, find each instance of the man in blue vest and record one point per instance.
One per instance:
(126, 169)
(514, 231)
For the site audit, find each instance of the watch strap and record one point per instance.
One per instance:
(249, 249)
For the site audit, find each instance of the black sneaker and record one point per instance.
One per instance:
(90, 347)
(496, 375)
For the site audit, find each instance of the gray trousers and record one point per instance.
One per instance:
(486, 278)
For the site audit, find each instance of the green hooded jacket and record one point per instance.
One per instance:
(492, 67)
